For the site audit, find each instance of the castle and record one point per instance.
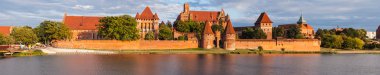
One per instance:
(84, 29)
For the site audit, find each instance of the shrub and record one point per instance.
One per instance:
(260, 48)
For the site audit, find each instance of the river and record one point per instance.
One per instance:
(193, 64)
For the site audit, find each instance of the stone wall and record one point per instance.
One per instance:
(287, 44)
(126, 45)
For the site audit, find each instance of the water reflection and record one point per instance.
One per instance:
(190, 64)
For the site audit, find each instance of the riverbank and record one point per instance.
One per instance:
(51, 50)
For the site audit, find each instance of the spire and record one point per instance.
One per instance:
(264, 18)
(207, 29)
(155, 16)
(301, 20)
(137, 15)
(229, 28)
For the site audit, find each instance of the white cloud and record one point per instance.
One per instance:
(83, 7)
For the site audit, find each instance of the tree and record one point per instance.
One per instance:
(359, 43)
(253, 33)
(169, 24)
(165, 33)
(118, 28)
(182, 26)
(278, 32)
(332, 41)
(24, 35)
(5, 40)
(217, 27)
(48, 31)
(149, 36)
(294, 32)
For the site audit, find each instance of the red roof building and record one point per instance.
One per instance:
(81, 22)
(147, 22)
(5, 30)
(306, 29)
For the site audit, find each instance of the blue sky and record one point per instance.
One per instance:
(318, 13)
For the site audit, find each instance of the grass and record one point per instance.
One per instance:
(29, 53)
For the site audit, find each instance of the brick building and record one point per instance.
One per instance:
(82, 27)
(6, 30)
(85, 27)
(147, 21)
(306, 29)
(264, 23)
(215, 17)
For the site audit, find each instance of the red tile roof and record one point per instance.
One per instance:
(147, 14)
(82, 22)
(204, 15)
(207, 28)
(5, 30)
(264, 18)
(229, 28)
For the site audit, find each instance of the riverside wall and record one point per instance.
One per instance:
(278, 45)
(126, 45)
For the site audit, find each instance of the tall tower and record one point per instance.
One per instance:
(186, 7)
(229, 37)
(264, 23)
(208, 36)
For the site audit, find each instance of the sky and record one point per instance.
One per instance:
(318, 13)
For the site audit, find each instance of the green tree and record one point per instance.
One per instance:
(217, 27)
(48, 31)
(24, 35)
(332, 41)
(359, 43)
(118, 28)
(182, 26)
(278, 32)
(5, 40)
(149, 36)
(169, 24)
(253, 33)
(294, 32)
(165, 33)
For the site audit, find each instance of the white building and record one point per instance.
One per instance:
(371, 35)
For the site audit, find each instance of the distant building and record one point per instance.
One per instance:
(82, 27)
(85, 27)
(147, 21)
(5, 30)
(214, 17)
(306, 29)
(371, 35)
(264, 23)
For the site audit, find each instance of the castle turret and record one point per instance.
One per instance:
(208, 36)
(229, 37)
(265, 24)
(301, 20)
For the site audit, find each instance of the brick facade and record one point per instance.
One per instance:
(126, 45)
(287, 44)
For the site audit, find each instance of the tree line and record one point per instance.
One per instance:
(348, 38)
(294, 32)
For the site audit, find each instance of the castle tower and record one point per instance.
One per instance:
(186, 7)
(208, 36)
(147, 21)
(229, 37)
(265, 24)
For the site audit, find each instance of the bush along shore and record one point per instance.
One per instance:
(29, 53)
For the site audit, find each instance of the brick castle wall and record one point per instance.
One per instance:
(126, 45)
(287, 44)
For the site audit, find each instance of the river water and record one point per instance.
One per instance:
(193, 64)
